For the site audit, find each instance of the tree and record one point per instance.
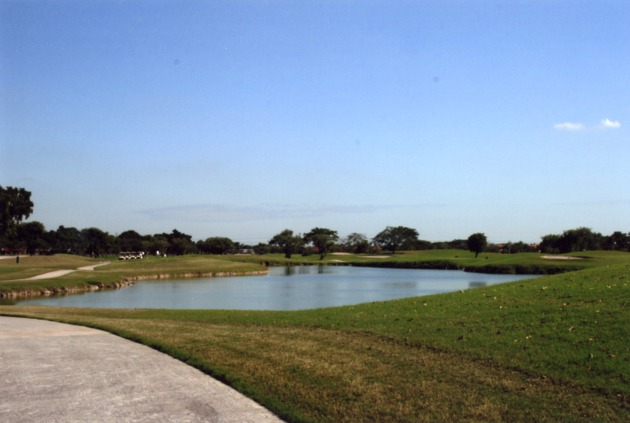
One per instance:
(618, 241)
(323, 239)
(518, 247)
(477, 243)
(262, 248)
(572, 240)
(15, 206)
(393, 238)
(179, 243)
(95, 241)
(216, 245)
(580, 239)
(130, 241)
(66, 240)
(32, 235)
(458, 244)
(288, 242)
(356, 243)
(550, 244)
(156, 244)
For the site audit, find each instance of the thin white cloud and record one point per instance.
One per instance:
(569, 126)
(577, 126)
(607, 123)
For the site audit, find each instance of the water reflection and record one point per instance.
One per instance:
(401, 285)
(303, 270)
(284, 288)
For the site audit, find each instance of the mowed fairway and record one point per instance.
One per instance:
(13, 275)
(548, 349)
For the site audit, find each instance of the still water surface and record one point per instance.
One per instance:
(284, 288)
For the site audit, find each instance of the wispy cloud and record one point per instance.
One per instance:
(569, 126)
(577, 126)
(230, 213)
(607, 123)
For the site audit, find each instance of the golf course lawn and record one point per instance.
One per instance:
(554, 348)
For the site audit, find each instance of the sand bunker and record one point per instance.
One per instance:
(562, 258)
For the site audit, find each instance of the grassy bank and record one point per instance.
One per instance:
(524, 263)
(548, 349)
(13, 275)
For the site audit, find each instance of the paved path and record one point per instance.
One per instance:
(54, 372)
(59, 273)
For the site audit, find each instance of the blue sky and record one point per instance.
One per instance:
(242, 118)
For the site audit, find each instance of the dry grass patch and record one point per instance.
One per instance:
(548, 349)
(330, 375)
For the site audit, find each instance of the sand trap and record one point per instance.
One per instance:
(103, 263)
(561, 258)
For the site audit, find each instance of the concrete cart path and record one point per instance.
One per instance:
(59, 273)
(55, 372)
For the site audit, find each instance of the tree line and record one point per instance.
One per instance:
(582, 239)
(17, 236)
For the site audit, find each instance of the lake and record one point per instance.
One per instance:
(284, 288)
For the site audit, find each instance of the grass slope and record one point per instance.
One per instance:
(548, 349)
(11, 272)
(36, 265)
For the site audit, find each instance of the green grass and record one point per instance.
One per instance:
(11, 272)
(554, 348)
(532, 263)
(36, 265)
(176, 266)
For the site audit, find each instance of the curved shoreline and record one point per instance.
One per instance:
(191, 275)
(128, 281)
(536, 269)
(499, 269)
(63, 290)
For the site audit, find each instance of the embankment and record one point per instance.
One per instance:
(506, 269)
(62, 290)
(130, 280)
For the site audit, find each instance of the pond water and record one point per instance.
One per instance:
(284, 288)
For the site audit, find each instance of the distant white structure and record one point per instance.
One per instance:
(131, 255)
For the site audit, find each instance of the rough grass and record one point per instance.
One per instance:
(548, 349)
(36, 265)
(12, 273)
(533, 263)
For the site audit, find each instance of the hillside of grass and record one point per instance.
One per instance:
(14, 276)
(30, 266)
(554, 348)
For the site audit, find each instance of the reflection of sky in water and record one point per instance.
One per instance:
(285, 288)
(401, 285)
